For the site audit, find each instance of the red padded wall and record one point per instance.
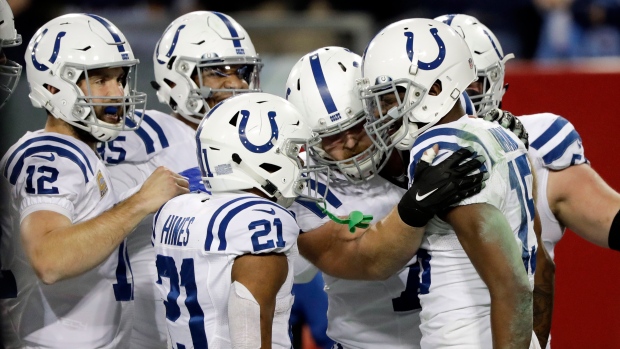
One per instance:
(587, 303)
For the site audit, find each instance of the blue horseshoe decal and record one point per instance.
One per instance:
(172, 47)
(440, 57)
(246, 142)
(493, 43)
(41, 66)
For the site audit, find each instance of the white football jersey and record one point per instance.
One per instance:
(366, 314)
(455, 301)
(554, 145)
(53, 172)
(197, 238)
(161, 140)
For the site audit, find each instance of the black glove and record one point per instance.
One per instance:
(437, 187)
(508, 121)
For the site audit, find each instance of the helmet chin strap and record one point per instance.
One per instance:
(267, 186)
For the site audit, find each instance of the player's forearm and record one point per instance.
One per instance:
(261, 276)
(511, 318)
(544, 285)
(376, 253)
(487, 238)
(74, 249)
(587, 209)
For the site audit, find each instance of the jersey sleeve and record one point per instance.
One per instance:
(49, 182)
(554, 141)
(308, 215)
(254, 226)
(451, 140)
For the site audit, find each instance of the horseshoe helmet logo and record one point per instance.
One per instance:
(40, 66)
(440, 56)
(245, 115)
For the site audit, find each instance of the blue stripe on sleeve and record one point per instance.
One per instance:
(62, 152)
(221, 233)
(52, 139)
(157, 128)
(443, 131)
(561, 148)
(149, 144)
(209, 238)
(330, 198)
(551, 131)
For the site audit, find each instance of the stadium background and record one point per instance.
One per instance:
(566, 64)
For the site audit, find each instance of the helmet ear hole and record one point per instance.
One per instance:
(271, 168)
(171, 62)
(233, 120)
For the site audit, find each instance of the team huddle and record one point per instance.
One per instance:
(432, 213)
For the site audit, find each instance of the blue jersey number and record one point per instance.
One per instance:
(266, 229)
(166, 268)
(408, 299)
(118, 152)
(50, 176)
(123, 290)
(519, 182)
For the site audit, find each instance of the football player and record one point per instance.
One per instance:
(589, 209)
(67, 278)
(201, 59)
(477, 260)
(9, 70)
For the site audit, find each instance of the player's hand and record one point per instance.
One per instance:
(508, 121)
(161, 186)
(435, 188)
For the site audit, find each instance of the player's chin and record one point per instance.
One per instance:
(218, 97)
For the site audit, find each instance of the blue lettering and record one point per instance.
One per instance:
(174, 237)
(166, 229)
(335, 117)
(186, 232)
(176, 230)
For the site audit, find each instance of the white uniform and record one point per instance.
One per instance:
(455, 301)
(554, 145)
(47, 171)
(197, 238)
(161, 140)
(367, 314)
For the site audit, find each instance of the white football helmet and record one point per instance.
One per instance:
(322, 87)
(62, 52)
(488, 57)
(253, 141)
(409, 56)
(196, 41)
(9, 70)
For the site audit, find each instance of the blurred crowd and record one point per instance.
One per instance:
(531, 29)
